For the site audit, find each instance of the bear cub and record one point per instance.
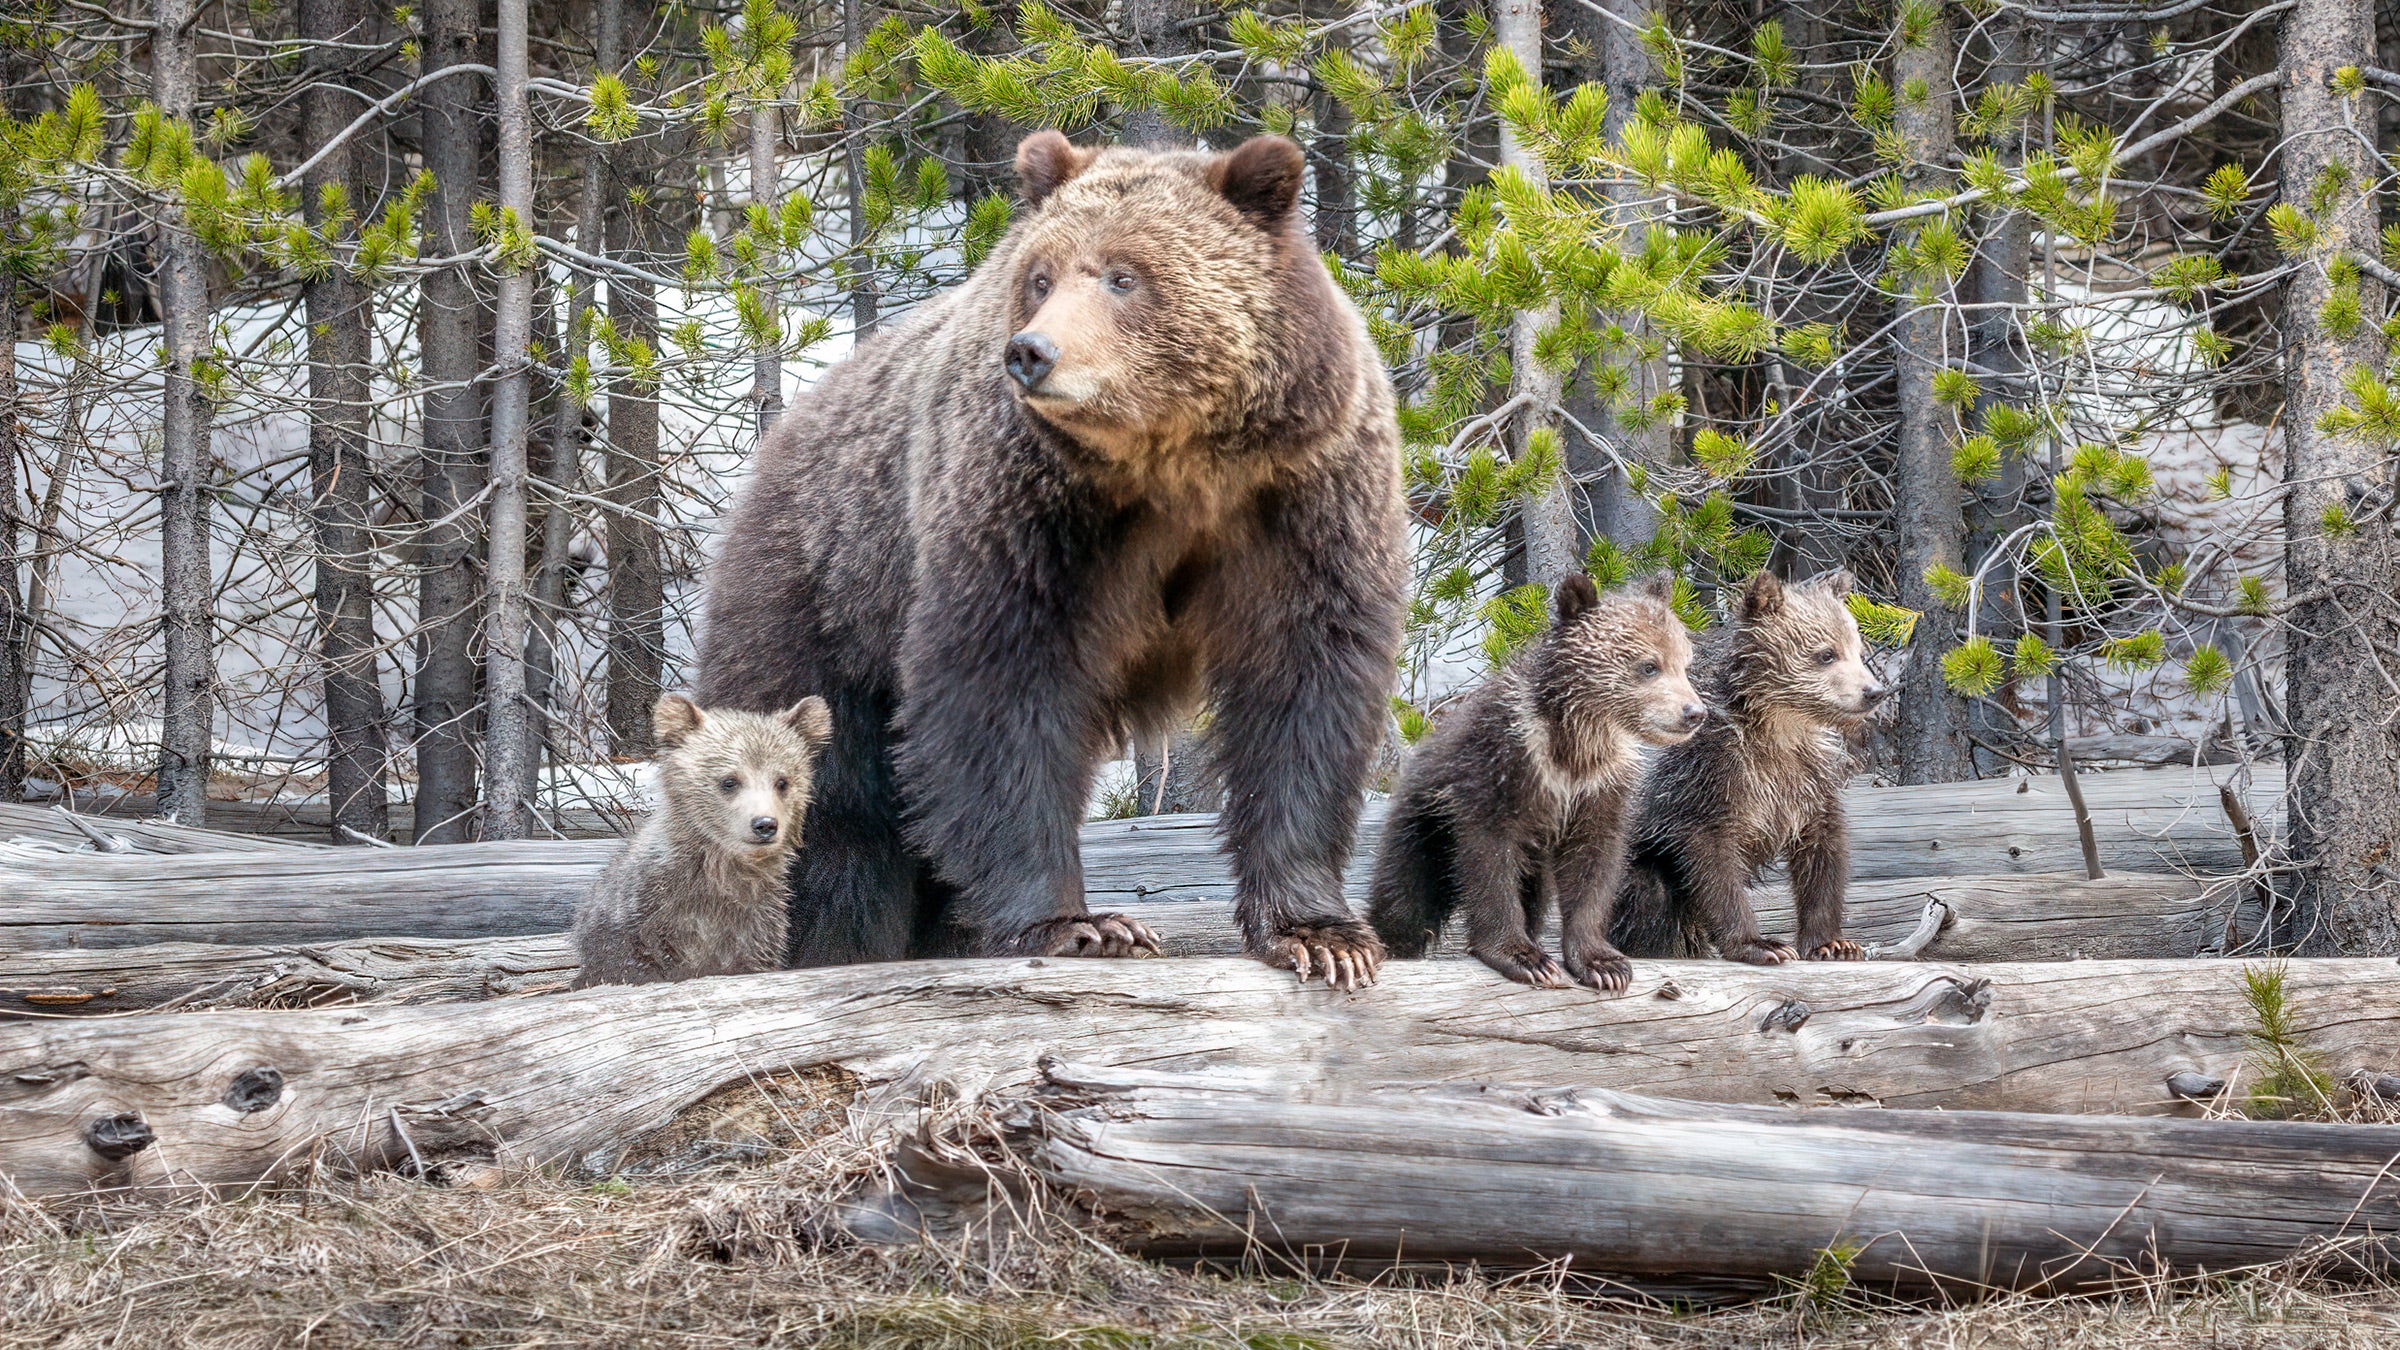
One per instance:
(1762, 782)
(1523, 791)
(700, 890)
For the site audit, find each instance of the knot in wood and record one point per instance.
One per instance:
(2194, 1087)
(119, 1136)
(254, 1089)
(1790, 1015)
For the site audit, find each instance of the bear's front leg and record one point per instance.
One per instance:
(997, 714)
(1301, 637)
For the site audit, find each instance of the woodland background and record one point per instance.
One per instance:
(379, 372)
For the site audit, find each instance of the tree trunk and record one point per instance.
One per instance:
(1179, 781)
(341, 471)
(188, 718)
(16, 627)
(75, 832)
(1334, 215)
(1603, 1182)
(510, 750)
(636, 572)
(1813, 467)
(204, 952)
(2345, 753)
(450, 471)
(863, 300)
(1932, 729)
(766, 189)
(1552, 549)
(576, 1077)
(1156, 27)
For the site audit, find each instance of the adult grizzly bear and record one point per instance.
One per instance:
(1144, 455)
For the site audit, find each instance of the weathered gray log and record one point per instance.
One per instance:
(1204, 1165)
(2124, 917)
(114, 834)
(578, 1077)
(2147, 820)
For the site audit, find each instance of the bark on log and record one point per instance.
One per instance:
(580, 1077)
(2150, 821)
(2124, 917)
(77, 831)
(1214, 1165)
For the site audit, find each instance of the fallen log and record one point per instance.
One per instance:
(2124, 917)
(578, 1078)
(79, 831)
(1215, 1166)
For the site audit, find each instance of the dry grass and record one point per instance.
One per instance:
(738, 1256)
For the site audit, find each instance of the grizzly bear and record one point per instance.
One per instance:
(1144, 456)
(1524, 788)
(699, 890)
(1762, 781)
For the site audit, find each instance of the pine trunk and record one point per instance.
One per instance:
(188, 716)
(2344, 753)
(1552, 549)
(1156, 27)
(1932, 733)
(636, 590)
(341, 471)
(766, 190)
(16, 629)
(450, 471)
(864, 303)
(509, 747)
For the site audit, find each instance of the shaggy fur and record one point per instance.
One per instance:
(699, 891)
(996, 582)
(1762, 782)
(1525, 788)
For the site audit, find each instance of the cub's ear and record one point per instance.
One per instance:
(1576, 594)
(811, 718)
(1261, 177)
(1659, 586)
(1836, 583)
(1045, 163)
(675, 719)
(1762, 598)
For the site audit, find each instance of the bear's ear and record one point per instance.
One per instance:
(1261, 177)
(1762, 598)
(675, 719)
(1836, 583)
(1576, 594)
(1045, 163)
(811, 718)
(1659, 586)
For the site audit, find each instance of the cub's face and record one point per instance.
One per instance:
(1809, 641)
(1138, 286)
(1671, 710)
(1629, 658)
(740, 780)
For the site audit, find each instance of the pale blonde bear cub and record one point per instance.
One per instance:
(700, 890)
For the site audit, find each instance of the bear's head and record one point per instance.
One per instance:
(738, 782)
(1623, 658)
(1796, 651)
(1159, 299)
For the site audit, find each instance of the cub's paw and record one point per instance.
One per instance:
(1761, 952)
(1837, 949)
(1602, 967)
(1526, 964)
(1088, 935)
(1345, 956)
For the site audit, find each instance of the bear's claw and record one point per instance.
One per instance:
(1837, 949)
(1346, 958)
(1605, 969)
(1527, 964)
(1761, 953)
(1089, 935)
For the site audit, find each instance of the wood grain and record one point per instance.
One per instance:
(1205, 1165)
(574, 1078)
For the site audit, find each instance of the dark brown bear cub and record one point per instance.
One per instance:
(1144, 459)
(1525, 787)
(1762, 781)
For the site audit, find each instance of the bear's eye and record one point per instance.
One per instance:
(728, 783)
(782, 785)
(1120, 281)
(1826, 657)
(1040, 285)
(1649, 668)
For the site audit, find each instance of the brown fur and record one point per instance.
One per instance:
(699, 891)
(1761, 783)
(995, 582)
(1524, 790)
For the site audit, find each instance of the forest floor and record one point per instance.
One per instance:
(736, 1254)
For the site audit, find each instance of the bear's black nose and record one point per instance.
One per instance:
(1874, 694)
(1031, 357)
(762, 828)
(1694, 714)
